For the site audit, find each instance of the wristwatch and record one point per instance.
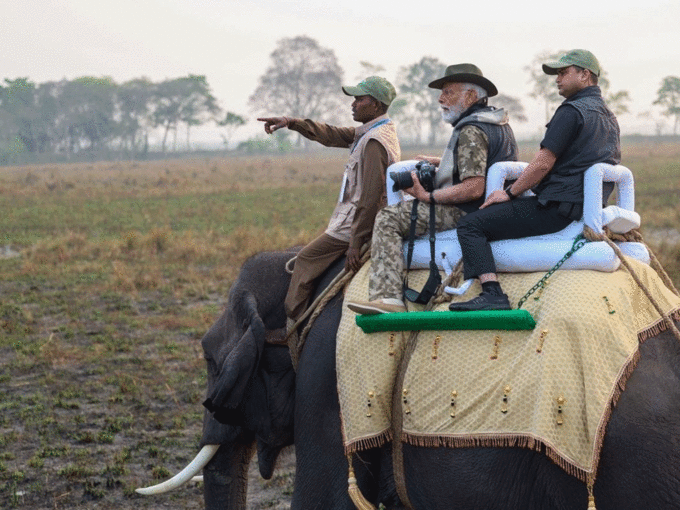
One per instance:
(509, 193)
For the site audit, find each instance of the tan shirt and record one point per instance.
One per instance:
(363, 192)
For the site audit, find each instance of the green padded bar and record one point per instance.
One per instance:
(419, 321)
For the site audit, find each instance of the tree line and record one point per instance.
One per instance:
(92, 116)
(300, 63)
(95, 117)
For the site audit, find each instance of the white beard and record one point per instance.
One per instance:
(452, 113)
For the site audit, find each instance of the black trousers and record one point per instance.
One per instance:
(522, 217)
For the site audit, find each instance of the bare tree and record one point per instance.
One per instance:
(134, 109)
(616, 101)
(408, 124)
(510, 104)
(668, 95)
(88, 107)
(303, 80)
(368, 69)
(421, 101)
(543, 85)
(19, 116)
(188, 100)
(231, 122)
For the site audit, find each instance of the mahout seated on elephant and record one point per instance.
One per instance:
(639, 464)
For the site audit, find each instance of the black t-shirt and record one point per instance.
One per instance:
(562, 130)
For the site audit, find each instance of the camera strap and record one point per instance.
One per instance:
(434, 280)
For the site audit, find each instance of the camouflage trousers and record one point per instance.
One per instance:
(389, 232)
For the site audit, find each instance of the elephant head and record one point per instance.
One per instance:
(251, 385)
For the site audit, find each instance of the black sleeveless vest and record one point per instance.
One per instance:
(502, 147)
(597, 142)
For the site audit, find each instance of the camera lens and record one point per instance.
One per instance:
(402, 180)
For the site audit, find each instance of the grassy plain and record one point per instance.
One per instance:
(119, 270)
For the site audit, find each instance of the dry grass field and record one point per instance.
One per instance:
(110, 273)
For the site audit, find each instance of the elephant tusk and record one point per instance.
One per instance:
(202, 458)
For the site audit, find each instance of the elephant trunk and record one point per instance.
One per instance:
(194, 467)
(226, 477)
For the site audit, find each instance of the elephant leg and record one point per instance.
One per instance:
(321, 465)
(225, 477)
(387, 490)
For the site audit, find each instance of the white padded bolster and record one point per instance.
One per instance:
(394, 197)
(625, 198)
(503, 171)
(540, 253)
(619, 220)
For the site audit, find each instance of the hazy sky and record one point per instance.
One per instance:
(229, 41)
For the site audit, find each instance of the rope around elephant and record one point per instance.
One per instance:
(296, 342)
(591, 235)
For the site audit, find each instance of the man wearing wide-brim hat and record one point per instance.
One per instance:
(582, 132)
(373, 146)
(465, 73)
(481, 137)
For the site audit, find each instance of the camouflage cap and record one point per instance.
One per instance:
(374, 86)
(580, 58)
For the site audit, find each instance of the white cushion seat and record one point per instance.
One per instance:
(541, 253)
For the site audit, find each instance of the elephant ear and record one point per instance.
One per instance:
(274, 428)
(238, 370)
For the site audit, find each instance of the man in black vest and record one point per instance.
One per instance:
(481, 137)
(582, 132)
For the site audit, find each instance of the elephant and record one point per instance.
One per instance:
(254, 381)
(258, 398)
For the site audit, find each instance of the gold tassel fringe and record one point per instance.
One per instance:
(591, 497)
(367, 443)
(658, 327)
(354, 492)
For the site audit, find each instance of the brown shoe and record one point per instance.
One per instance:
(378, 306)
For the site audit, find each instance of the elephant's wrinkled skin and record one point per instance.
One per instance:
(639, 467)
(251, 383)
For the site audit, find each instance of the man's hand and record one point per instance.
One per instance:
(496, 197)
(432, 160)
(417, 189)
(353, 262)
(271, 124)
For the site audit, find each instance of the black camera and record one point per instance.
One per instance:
(425, 172)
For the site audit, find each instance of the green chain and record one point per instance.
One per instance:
(579, 242)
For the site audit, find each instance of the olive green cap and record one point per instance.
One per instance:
(465, 73)
(374, 86)
(580, 58)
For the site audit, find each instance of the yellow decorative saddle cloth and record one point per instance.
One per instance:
(551, 389)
